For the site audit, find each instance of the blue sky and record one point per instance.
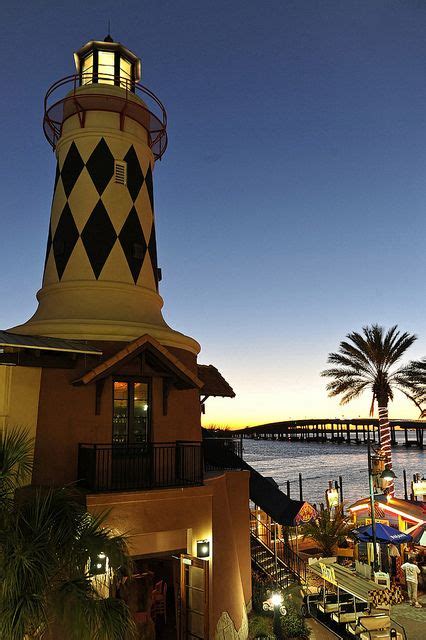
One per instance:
(290, 204)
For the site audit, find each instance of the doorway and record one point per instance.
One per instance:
(131, 412)
(193, 623)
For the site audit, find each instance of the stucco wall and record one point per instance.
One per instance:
(19, 397)
(230, 586)
(217, 511)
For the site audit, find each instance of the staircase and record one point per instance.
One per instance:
(263, 559)
(288, 567)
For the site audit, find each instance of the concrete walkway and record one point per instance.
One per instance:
(318, 632)
(413, 620)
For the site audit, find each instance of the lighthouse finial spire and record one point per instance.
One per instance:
(108, 37)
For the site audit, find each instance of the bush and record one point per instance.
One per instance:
(260, 626)
(293, 625)
(261, 588)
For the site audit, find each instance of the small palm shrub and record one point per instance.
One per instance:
(260, 626)
(293, 625)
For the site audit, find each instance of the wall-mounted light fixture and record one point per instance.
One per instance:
(203, 548)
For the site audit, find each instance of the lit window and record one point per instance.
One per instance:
(125, 73)
(87, 70)
(106, 67)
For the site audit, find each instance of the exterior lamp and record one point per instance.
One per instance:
(203, 548)
(388, 475)
(279, 610)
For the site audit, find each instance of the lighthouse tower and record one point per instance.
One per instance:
(101, 275)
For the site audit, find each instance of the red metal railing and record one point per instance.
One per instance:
(79, 99)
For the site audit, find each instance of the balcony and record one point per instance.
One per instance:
(133, 467)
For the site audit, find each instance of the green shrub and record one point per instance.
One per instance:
(260, 626)
(293, 625)
(261, 589)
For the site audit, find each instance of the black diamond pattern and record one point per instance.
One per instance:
(133, 242)
(152, 250)
(100, 166)
(134, 173)
(98, 237)
(58, 173)
(149, 186)
(71, 169)
(49, 244)
(66, 236)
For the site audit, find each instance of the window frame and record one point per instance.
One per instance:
(117, 69)
(131, 380)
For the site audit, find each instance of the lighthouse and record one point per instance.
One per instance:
(101, 275)
(109, 393)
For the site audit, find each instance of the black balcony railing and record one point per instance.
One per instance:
(222, 453)
(126, 467)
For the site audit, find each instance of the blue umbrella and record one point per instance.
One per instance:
(383, 534)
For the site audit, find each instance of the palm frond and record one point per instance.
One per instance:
(16, 453)
(365, 360)
(46, 540)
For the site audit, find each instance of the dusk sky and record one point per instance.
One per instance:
(291, 202)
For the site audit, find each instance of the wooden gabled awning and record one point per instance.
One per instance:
(146, 345)
(214, 384)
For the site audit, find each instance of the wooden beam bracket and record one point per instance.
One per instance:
(99, 387)
(166, 391)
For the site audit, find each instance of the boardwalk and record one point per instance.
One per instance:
(351, 431)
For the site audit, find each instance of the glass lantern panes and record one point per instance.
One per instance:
(87, 69)
(106, 69)
(125, 73)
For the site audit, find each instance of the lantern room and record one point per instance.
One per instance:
(107, 62)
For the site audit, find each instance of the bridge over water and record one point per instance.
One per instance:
(335, 430)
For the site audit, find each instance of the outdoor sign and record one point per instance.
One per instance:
(332, 497)
(306, 514)
(327, 573)
(419, 488)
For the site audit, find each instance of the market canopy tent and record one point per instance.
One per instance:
(384, 534)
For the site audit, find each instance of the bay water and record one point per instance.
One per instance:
(320, 462)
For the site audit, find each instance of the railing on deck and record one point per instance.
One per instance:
(264, 532)
(219, 453)
(127, 467)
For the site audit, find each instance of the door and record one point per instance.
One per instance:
(131, 461)
(130, 412)
(193, 623)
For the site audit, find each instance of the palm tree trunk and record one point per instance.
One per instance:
(385, 440)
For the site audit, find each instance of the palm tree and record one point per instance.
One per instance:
(48, 546)
(328, 529)
(367, 361)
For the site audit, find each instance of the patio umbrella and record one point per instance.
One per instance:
(383, 534)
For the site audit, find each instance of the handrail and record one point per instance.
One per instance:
(282, 572)
(156, 123)
(295, 563)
